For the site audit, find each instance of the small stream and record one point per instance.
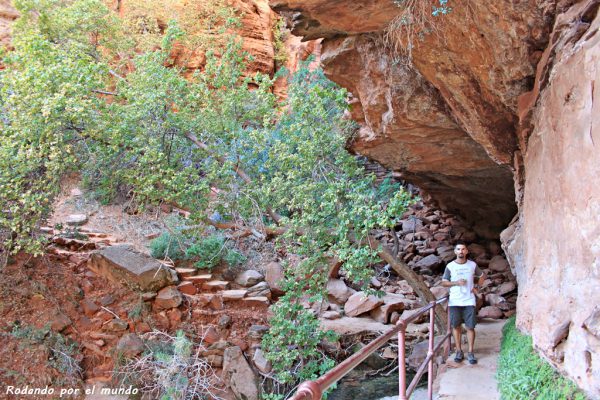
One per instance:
(357, 386)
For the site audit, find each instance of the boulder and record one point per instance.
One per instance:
(76, 219)
(337, 291)
(411, 225)
(332, 315)
(210, 335)
(229, 295)
(187, 287)
(239, 375)
(494, 299)
(215, 285)
(446, 253)
(347, 326)
(256, 301)
(499, 263)
(124, 265)
(130, 345)
(476, 250)
(592, 322)
(430, 262)
(505, 288)
(89, 307)
(249, 278)
(490, 312)
(439, 291)
(274, 277)
(214, 360)
(261, 362)
(256, 332)
(168, 297)
(261, 289)
(359, 303)
(184, 273)
(60, 323)
(419, 352)
(391, 303)
(198, 280)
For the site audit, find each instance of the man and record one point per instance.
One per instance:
(459, 277)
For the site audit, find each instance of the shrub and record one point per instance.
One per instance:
(210, 251)
(523, 375)
(170, 369)
(168, 246)
(63, 353)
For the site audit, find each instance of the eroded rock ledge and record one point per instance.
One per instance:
(446, 120)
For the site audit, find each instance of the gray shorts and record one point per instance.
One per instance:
(460, 314)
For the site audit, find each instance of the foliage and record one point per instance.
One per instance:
(168, 246)
(64, 353)
(523, 375)
(280, 34)
(171, 368)
(211, 250)
(46, 95)
(327, 196)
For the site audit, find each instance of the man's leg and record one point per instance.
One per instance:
(457, 332)
(471, 338)
(470, 322)
(455, 323)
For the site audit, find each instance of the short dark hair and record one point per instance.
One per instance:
(459, 242)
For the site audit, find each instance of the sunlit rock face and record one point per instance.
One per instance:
(554, 247)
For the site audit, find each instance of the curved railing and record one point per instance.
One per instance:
(313, 390)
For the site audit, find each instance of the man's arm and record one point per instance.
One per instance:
(480, 276)
(446, 280)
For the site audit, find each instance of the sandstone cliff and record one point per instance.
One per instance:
(493, 117)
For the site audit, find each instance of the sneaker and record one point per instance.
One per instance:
(459, 356)
(471, 358)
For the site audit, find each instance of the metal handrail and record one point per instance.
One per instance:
(313, 390)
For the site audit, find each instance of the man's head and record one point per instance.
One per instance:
(461, 251)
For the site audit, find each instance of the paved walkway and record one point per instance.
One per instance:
(463, 381)
(474, 382)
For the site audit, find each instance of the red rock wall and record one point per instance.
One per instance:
(555, 245)
(7, 15)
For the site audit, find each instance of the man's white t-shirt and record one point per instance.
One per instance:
(462, 295)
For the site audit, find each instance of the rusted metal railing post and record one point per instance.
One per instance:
(401, 364)
(430, 352)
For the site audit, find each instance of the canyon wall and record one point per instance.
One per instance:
(494, 118)
(555, 244)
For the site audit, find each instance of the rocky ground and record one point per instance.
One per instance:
(70, 317)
